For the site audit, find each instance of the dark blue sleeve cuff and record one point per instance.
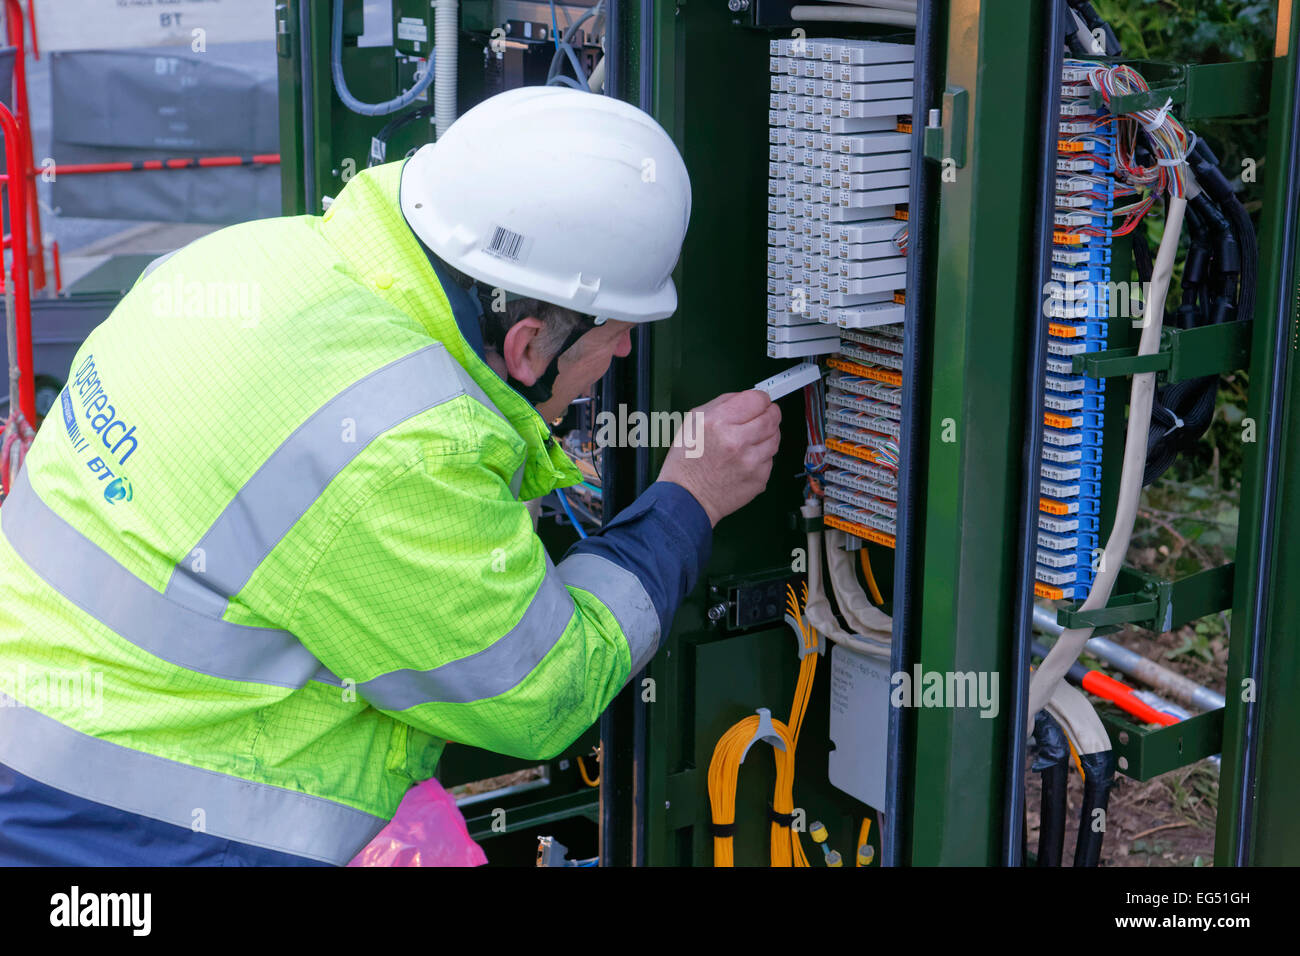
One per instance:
(664, 538)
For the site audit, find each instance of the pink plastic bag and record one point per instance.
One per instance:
(427, 830)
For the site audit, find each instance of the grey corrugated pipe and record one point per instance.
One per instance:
(445, 43)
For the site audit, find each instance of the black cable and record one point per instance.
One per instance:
(1206, 167)
(380, 139)
(1052, 763)
(1098, 778)
(1219, 279)
(1212, 289)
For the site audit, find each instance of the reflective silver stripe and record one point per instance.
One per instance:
(88, 577)
(623, 593)
(297, 472)
(233, 808)
(492, 671)
(157, 262)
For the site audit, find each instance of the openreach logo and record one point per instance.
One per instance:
(76, 908)
(946, 690)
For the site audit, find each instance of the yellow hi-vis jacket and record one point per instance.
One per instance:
(277, 514)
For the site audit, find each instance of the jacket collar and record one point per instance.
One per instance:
(365, 223)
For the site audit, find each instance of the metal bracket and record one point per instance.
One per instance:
(284, 31)
(765, 732)
(1143, 754)
(945, 134)
(1147, 601)
(818, 648)
(1184, 354)
(1199, 90)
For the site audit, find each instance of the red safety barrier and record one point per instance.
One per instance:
(14, 22)
(159, 165)
(18, 429)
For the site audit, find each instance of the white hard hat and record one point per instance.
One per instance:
(573, 198)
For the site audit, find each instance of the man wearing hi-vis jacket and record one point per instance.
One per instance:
(270, 550)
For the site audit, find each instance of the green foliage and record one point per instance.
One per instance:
(1195, 793)
(1191, 30)
(1201, 31)
(1198, 640)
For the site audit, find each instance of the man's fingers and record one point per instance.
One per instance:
(765, 450)
(744, 406)
(717, 402)
(761, 428)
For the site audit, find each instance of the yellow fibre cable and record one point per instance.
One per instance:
(787, 843)
(724, 771)
(589, 781)
(865, 561)
(1077, 762)
(724, 767)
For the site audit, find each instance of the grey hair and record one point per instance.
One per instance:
(557, 321)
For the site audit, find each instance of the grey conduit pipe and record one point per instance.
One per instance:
(402, 100)
(446, 40)
(1133, 664)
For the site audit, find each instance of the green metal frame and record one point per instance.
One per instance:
(1183, 354)
(1145, 600)
(1142, 754)
(1275, 780)
(981, 317)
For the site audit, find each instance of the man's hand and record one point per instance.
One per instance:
(727, 457)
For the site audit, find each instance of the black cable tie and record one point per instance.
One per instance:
(722, 830)
(780, 819)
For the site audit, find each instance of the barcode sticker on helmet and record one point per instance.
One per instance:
(505, 244)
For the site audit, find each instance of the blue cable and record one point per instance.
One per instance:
(563, 46)
(564, 503)
(399, 102)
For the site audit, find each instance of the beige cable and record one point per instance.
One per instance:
(1076, 715)
(867, 620)
(818, 609)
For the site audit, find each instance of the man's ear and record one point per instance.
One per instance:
(521, 353)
